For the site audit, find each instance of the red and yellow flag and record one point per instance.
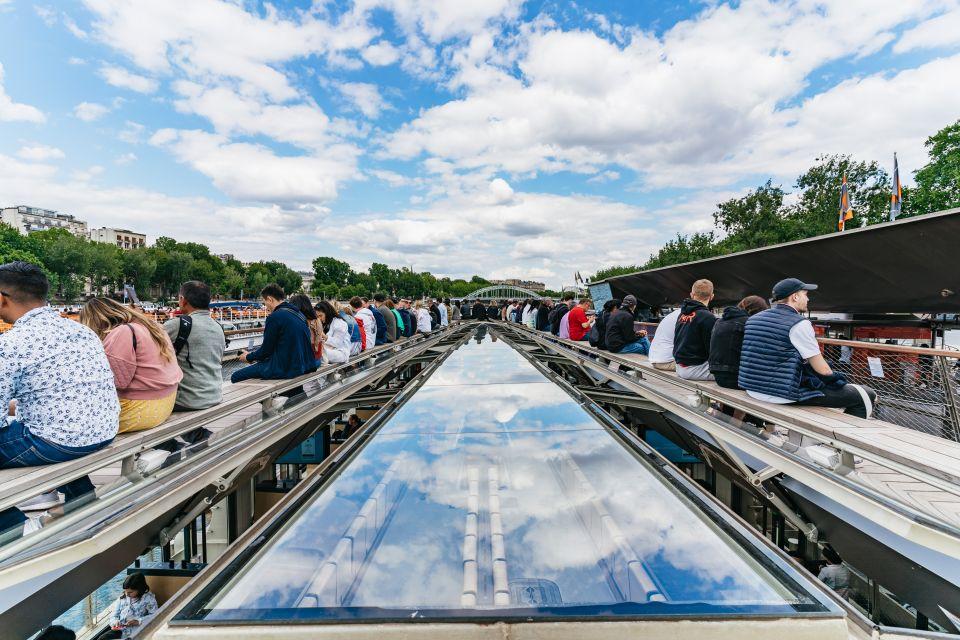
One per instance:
(846, 212)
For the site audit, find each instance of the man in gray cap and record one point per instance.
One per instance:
(780, 361)
(620, 336)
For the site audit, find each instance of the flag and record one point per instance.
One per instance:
(846, 213)
(896, 198)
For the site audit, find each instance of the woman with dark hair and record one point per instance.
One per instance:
(727, 339)
(336, 334)
(597, 335)
(134, 609)
(304, 306)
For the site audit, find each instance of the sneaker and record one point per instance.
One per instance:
(151, 460)
(34, 523)
(42, 502)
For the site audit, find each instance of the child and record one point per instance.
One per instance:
(135, 608)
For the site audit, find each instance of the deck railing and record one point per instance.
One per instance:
(917, 387)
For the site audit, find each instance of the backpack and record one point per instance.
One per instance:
(183, 335)
(356, 333)
(596, 335)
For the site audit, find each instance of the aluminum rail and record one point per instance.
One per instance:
(32, 481)
(98, 526)
(905, 520)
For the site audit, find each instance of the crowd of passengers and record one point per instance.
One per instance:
(70, 387)
(768, 350)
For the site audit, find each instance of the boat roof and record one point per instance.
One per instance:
(905, 266)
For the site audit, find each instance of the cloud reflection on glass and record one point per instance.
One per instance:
(490, 489)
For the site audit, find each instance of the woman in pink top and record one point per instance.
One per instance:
(141, 356)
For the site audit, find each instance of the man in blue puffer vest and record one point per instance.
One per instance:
(780, 361)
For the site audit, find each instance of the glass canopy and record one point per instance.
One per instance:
(492, 493)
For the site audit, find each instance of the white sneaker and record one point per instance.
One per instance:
(43, 501)
(151, 460)
(34, 523)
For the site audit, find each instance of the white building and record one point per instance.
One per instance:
(123, 238)
(28, 219)
(308, 278)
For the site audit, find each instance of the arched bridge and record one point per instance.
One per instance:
(501, 292)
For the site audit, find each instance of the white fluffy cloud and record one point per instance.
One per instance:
(698, 105)
(252, 172)
(940, 31)
(501, 233)
(90, 111)
(120, 77)
(365, 96)
(11, 111)
(40, 152)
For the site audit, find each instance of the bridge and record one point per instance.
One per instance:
(503, 291)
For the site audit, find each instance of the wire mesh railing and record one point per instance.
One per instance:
(918, 388)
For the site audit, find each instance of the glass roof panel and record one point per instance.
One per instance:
(498, 499)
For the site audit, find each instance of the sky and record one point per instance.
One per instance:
(496, 137)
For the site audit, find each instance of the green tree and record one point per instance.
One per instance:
(755, 220)
(64, 255)
(138, 267)
(818, 208)
(938, 182)
(618, 270)
(328, 270)
(104, 265)
(685, 249)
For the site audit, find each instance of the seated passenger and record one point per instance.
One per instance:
(691, 341)
(199, 342)
(424, 319)
(727, 339)
(134, 609)
(465, 311)
(385, 307)
(336, 334)
(366, 320)
(579, 324)
(780, 361)
(453, 310)
(479, 311)
(661, 347)
(56, 632)
(286, 351)
(835, 574)
(620, 336)
(381, 322)
(57, 395)
(144, 365)
(303, 305)
(357, 336)
(495, 311)
(542, 320)
(560, 310)
(408, 318)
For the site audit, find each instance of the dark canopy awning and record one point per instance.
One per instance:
(909, 266)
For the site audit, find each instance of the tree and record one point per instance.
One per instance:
(818, 208)
(64, 255)
(619, 270)
(938, 182)
(755, 220)
(138, 267)
(328, 270)
(104, 265)
(685, 249)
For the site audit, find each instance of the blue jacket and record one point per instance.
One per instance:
(381, 326)
(286, 350)
(769, 363)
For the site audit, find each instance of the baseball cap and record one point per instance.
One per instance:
(789, 286)
(629, 300)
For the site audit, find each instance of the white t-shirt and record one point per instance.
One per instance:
(661, 349)
(804, 339)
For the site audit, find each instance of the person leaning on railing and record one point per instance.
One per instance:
(780, 361)
(56, 386)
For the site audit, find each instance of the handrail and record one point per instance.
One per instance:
(16, 490)
(897, 348)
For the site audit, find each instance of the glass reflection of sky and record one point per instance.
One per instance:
(497, 497)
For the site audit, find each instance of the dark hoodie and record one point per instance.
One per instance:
(725, 344)
(691, 342)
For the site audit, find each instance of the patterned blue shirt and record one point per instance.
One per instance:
(59, 375)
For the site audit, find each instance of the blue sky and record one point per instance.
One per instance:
(505, 138)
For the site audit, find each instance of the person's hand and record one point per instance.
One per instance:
(133, 623)
(642, 333)
(243, 356)
(12, 408)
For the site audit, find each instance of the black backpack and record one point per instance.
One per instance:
(183, 335)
